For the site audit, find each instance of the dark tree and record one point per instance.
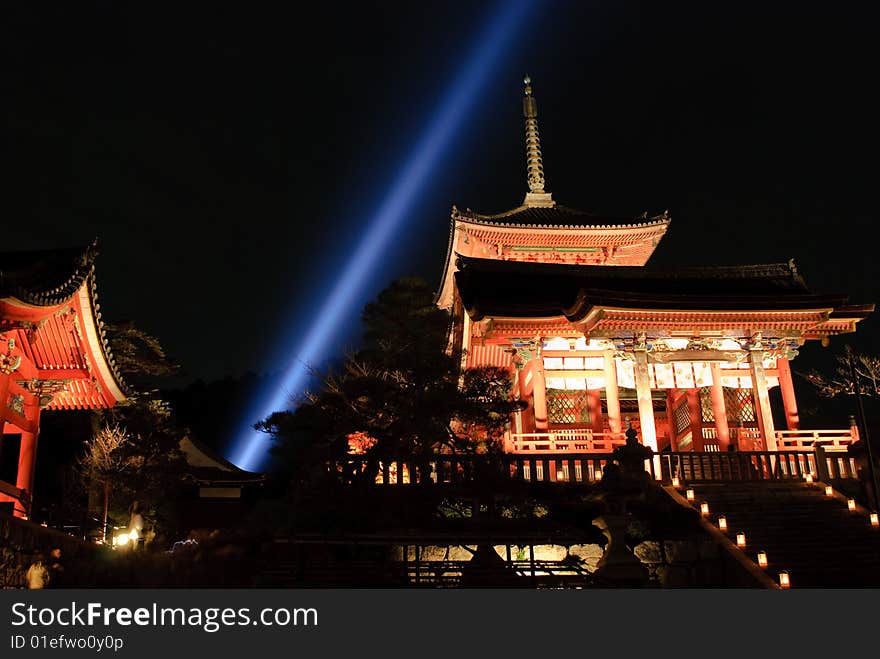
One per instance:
(403, 394)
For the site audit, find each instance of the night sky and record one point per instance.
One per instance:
(228, 158)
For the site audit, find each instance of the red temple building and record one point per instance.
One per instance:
(596, 337)
(54, 353)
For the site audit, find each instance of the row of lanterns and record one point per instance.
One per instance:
(690, 495)
(784, 578)
(851, 505)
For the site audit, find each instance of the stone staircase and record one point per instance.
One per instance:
(815, 538)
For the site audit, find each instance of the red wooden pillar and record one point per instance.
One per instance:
(612, 396)
(762, 399)
(789, 403)
(594, 400)
(670, 418)
(27, 457)
(696, 415)
(719, 410)
(539, 391)
(4, 394)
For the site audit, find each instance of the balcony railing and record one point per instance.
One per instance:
(809, 439)
(580, 440)
(584, 440)
(571, 467)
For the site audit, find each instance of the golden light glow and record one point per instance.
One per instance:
(704, 508)
(829, 491)
(133, 534)
(690, 494)
(784, 581)
(598, 474)
(875, 521)
(722, 523)
(762, 558)
(851, 504)
(740, 539)
(809, 478)
(560, 475)
(676, 482)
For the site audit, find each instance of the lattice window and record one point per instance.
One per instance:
(706, 411)
(682, 416)
(740, 406)
(567, 407)
(629, 402)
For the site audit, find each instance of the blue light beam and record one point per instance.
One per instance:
(251, 447)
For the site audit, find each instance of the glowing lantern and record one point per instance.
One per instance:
(784, 581)
(851, 504)
(740, 539)
(676, 482)
(809, 478)
(722, 523)
(762, 558)
(704, 508)
(690, 494)
(560, 475)
(875, 522)
(598, 474)
(829, 491)
(122, 539)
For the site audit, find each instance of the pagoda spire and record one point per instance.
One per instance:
(536, 195)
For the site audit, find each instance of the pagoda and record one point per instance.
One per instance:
(597, 340)
(54, 353)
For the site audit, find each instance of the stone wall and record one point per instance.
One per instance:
(695, 562)
(21, 540)
(691, 562)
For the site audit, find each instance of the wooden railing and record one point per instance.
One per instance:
(584, 440)
(568, 467)
(755, 466)
(577, 467)
(581, 440)
(809, 439)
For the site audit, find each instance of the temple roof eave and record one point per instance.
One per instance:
(38, 286)
(656, 226)
(565, 219)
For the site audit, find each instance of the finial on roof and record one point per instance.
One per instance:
(534, 163)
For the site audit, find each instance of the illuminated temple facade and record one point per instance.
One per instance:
(596, 338)
(54, 355)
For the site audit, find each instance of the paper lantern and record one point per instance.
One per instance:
(784, 580)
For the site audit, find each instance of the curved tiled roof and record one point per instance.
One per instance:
(556, 216)
(46, 278)
(516, 289)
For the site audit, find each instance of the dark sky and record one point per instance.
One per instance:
(228, 158)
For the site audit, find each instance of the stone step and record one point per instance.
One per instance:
(812, 536)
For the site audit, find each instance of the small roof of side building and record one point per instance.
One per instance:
(508, 289)
(208, 468)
